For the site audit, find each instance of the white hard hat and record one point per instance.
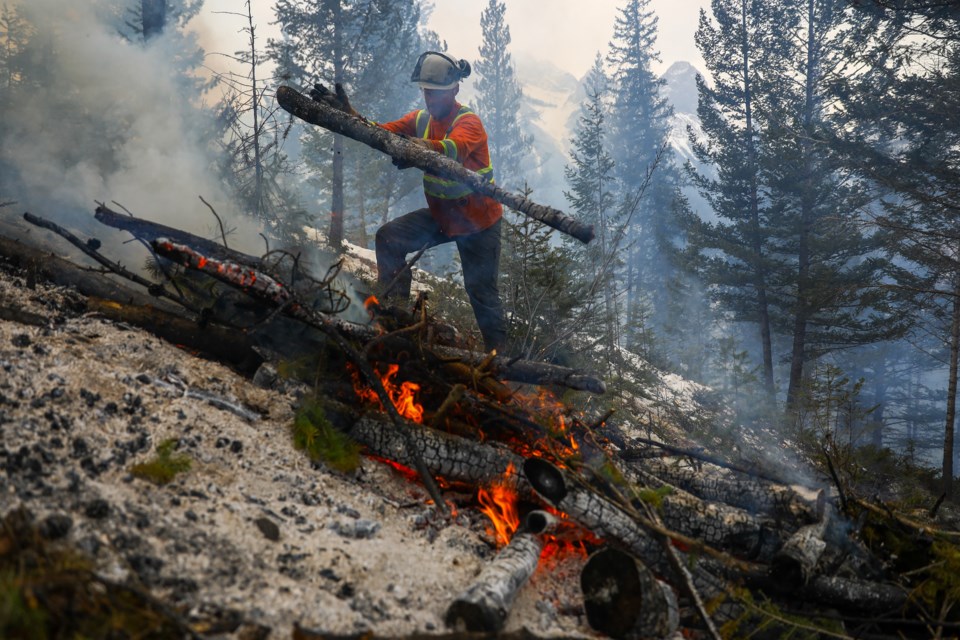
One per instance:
(437, 70)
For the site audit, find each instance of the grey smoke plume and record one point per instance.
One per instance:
(111, 119)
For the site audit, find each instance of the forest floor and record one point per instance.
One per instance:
(253, 538)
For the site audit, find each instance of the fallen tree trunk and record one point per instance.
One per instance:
(225, 344)
(486, 604)
(149, 231)
(623, 599)
(411, 154)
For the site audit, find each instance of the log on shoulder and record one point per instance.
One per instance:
(411, 154)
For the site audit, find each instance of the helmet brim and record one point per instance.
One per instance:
(434, 85)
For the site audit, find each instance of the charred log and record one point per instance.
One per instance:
(225, 344)
(149, 231)
(413, 155)
(623, 599)
(486, 604)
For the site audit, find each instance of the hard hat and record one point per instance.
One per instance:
(437, 70)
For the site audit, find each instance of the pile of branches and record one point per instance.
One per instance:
(681, 538)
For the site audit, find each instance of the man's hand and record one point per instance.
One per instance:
(338, 100)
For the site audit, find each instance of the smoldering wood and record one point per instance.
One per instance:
(486, 603)
(411, 154)
(796, 561)
(273, 292)
(149, 231)
(623, 599)
(60, 271)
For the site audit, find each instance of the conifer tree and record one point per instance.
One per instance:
(499, 97)
(902, 132)
(592, 196)
(829, 258)
(737, 48)
(646, 173)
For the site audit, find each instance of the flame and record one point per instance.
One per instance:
(403, 396)
(499, 503)
(371, 301)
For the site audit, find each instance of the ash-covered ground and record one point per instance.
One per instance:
(253, 538)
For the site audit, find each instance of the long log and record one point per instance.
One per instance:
(486, 603)
(623, 599)
(149, 231)
(400, 148)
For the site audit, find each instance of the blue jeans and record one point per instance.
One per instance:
(479, 256)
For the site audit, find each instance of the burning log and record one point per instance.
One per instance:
(410, 154)
(623, 599)
(456, 459)
(485, 605)
(275, 293)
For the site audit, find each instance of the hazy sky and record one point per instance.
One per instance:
(566, 32)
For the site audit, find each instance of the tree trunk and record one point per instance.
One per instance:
(951, 392)
(335, 236)
(414, 155)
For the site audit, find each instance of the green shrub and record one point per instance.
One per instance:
(314, 434)
(164, 466)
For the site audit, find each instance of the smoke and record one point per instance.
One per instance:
(101, 117)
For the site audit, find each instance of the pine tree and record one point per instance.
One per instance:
(499, 97)
(902, 131)
(592, 196)
(829, 259)
(646, 173)
(368, 46)
(738, 48)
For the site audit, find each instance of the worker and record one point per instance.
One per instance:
(454, 212)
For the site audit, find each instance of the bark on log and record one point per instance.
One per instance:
(414, 155)
(623, 599)
(486, 604)
(720, 485)
(150, 231)
(455, 459)
(225, 344)
(718, 525)
(59, 271)
(274, 293)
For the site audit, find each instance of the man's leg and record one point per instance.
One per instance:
(480, 257)
(396, 239)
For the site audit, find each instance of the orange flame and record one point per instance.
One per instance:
(403, 396)
(499, 503)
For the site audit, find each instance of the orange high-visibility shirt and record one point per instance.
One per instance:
(461, 136)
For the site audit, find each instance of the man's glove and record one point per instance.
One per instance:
(338, 100)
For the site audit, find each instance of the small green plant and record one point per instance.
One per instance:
(314, 434)
(164, 466)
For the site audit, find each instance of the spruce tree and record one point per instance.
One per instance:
(902, 132)
(499, 97)
(592, 197)
(738, 48)
(646, 173)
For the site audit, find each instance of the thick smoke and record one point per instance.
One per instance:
(112, 120)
